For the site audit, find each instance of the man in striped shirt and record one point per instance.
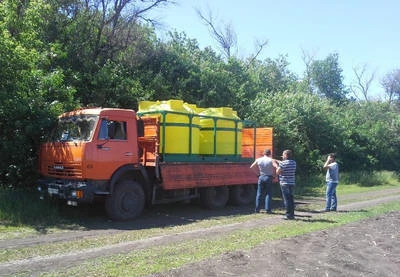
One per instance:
(287, 179)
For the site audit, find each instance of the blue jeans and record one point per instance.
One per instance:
(331, 200)
(288, 199)
(264, 192)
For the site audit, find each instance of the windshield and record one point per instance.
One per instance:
(77, 127)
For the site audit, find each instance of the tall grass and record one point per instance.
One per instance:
(315, 185)
(370, 179)
(22, 207)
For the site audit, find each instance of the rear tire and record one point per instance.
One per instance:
(242, 195)
(126, 202)
(214, 197)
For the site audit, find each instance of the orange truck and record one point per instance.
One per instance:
(133, 160)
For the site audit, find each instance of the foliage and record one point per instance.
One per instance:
(32, 92)
(369, 134)
(363, 134)
(391, 84)
(300, 123)
(327, 79)
(58, 55)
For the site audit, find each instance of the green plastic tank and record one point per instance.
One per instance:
(220, 132)
(179, 127)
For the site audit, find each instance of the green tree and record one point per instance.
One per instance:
(391, 85)
(369, 136)
(326, 78)
(175, 64)
(268, 77)
(57, 55)
(302, 122)
(31, 91)
(105, 42)
(363, 134)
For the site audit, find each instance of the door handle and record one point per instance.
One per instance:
(128, 154)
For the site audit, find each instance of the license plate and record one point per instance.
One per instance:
(52, 191)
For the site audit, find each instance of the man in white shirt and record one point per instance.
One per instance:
(264, 187)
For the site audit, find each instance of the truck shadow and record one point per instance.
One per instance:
(159, 216)
(167, 215)
(93, 217)
(46, 215)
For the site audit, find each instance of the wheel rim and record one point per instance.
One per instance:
(128, 202)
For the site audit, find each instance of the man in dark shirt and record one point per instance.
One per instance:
(287, 179)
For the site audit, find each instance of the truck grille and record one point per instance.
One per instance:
(65, 170)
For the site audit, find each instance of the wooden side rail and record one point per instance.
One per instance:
(149, 143)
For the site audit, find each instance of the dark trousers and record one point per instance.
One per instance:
(288, 199)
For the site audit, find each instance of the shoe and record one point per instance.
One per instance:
(256, 212)
(269, 212)
(333, 210)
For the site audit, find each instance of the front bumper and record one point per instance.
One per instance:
(72, 191)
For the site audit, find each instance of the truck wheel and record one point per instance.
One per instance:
(127, 201)
(242, 195)
(215, 197)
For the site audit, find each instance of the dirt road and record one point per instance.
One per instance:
(367, 248)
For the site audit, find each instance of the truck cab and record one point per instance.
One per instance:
(86, 148)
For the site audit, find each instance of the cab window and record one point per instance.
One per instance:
(113, 130)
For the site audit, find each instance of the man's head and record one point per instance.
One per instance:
(267, 152)
(287, 154)
(332, 156)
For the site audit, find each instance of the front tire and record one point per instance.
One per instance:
(126, 202)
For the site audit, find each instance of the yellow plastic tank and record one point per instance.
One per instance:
(179, 127)
(220, 132)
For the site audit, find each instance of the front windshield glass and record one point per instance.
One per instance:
(77, 127)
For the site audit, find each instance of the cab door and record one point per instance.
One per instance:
(116, 146)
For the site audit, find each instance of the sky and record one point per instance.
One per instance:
(361, 32)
